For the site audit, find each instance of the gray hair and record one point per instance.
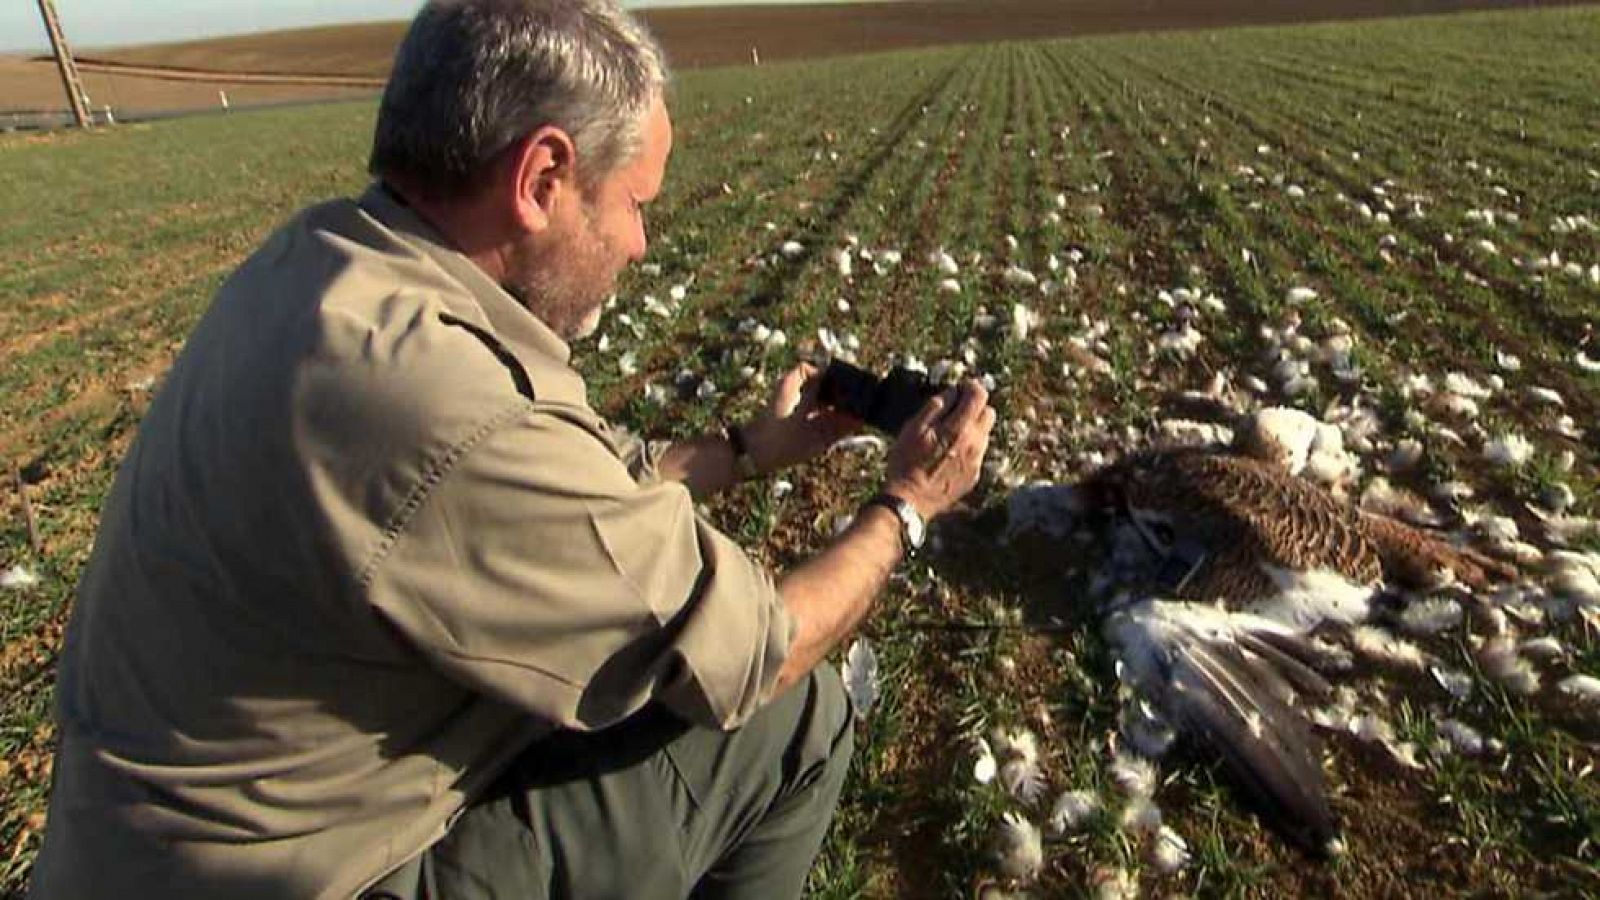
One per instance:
(473, 76)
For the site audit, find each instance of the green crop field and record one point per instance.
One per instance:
(1393, 225)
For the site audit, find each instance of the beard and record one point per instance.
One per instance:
(564, 279)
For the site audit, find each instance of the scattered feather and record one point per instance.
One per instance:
(1461, 737)
(1499, 659)
(1114, 884)
(1134, 775)
(1542, 649)
(1169, 853)
(1510, 450)
(1456, 684)
(1019, 847)
(1582, 688)
(984, 768)
(1015, 276)
(1023, 779)
(1380, 646)
(18, 577)
(1140, 816)
(1045, 507)
(861, 677)
(1147, 732)
(1072, 811)
(1431, 616)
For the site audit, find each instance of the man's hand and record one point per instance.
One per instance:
(938, 455)
(795, 427)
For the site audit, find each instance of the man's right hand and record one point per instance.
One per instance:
(938, 455)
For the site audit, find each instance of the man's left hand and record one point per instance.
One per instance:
(795, 427)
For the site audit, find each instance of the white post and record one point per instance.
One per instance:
(110, 119)
(223, 97)
(755, 57)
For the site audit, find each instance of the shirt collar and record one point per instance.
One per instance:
(507, 318)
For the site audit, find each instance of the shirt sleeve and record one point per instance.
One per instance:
(539, 570)
(640, 456)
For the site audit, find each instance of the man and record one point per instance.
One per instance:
(380, 606)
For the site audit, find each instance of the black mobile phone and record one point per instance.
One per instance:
(886, 403)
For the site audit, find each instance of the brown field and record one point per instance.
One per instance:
(31, 85)
(188, 74)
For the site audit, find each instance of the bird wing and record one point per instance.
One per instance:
(1227, 680)
(1417, 559)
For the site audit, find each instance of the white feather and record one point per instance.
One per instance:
(1169, 853)
(1281, 435)
(1019, 847)
(1431, 616)
(1543, 649)
(861, 677)
(984, 768)
(1016, 276)
(1049, 508)
(18, 577)
(1381, 497)
(1575, 575)
(1189, 433)
(1461, 737)
(1308, 598)
(1380, 646)
(1456, 684)
(1583, 688)
(1140, 816)
(1548, 396)
(1405, 456)
(1147, 732)
(1134, 775)
(1072, 811)
(1510, 450)
(1461, 385)
(1023, 779)
(1114, 884)
(1499, 660)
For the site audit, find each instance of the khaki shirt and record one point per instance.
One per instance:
(370, 542)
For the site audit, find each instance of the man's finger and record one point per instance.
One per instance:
(790, 391)
(930, 412)
(974, 399)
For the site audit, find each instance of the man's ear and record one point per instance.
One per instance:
(544, 169)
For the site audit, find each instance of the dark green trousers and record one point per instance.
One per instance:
(653, 808)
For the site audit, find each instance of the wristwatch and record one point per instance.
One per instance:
(744, 465)
(912, 528)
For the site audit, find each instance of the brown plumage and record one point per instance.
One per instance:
(1241, 514)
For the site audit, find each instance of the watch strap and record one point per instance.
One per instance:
(903, 511)
(744, 465)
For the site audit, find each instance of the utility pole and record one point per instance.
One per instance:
(69, 69)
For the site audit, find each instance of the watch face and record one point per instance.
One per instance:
(913, 522)
(914, 530)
